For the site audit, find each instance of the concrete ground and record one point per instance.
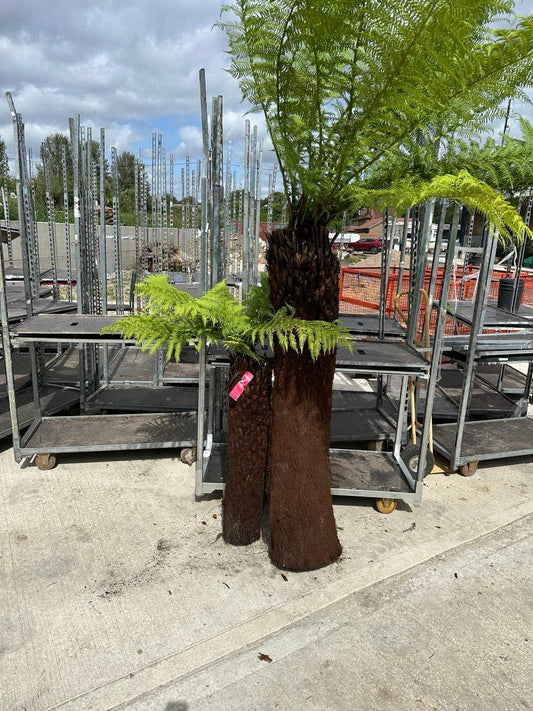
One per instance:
(117, 592)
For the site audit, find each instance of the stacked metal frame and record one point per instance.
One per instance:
(48, 436)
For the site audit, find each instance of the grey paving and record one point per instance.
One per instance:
(453, 633)
(116, 592)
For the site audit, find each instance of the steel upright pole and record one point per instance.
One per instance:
(50, 214)
(217, 163)
(74, 141)
(476, 327)
(257, 213)
(33, 241)
(204, 285)
(5, 204)
(437, 249)
(24, 208)
(23, 200)
(420, 270)
(66, 210)
(246, 211)
(119, 298)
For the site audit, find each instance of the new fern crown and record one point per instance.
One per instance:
(171, 319)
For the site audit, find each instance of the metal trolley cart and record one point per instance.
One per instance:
(384, 476)
(48, 436)
(465, 443)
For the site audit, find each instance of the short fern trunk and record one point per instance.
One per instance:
(304, 273)
(248, 432)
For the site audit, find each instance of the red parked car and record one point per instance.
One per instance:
(367, 244)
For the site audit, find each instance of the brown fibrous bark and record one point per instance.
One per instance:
(304, 273)
(248, 435)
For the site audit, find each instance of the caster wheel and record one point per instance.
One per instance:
(385, 506)
(410, 456)
(188, 455)
(468, 469)
(45, 462)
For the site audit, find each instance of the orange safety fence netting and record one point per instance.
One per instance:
(360, 291)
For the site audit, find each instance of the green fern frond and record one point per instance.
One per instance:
(475, 194)
(347, 85)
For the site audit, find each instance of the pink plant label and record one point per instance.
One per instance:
(238, 390)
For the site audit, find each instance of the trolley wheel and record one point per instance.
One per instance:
(45, 462)
(385, 506)
(468, 469)
(188, 455)
(410, 456)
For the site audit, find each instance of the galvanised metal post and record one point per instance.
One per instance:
(217, 188)
(255, 270)
(226, 252)
(24, 208)
(50, 214)
(33, 241)
(436, 353)
(468, 241)
(66, 210)
(103, 251)
(252, 204)
(197, 218)
(478, 319)
(144, 221)
(403, 248)
(74, 143)
(119, 298)
(165, 250)
(8, 359)
(246, 211)
(5, 204)
(521, 254)
(204, 285)
(136, 210)
(415, 297)
(436, 251)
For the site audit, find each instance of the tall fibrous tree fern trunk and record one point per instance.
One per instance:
(304, 273)
(346, 86)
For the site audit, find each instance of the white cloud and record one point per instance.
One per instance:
(115, 64)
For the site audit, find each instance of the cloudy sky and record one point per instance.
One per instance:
(129, 67)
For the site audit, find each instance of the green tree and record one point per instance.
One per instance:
(51, 167)
(344, 87)
(126, 171)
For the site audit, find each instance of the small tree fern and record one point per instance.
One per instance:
(171, 319)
